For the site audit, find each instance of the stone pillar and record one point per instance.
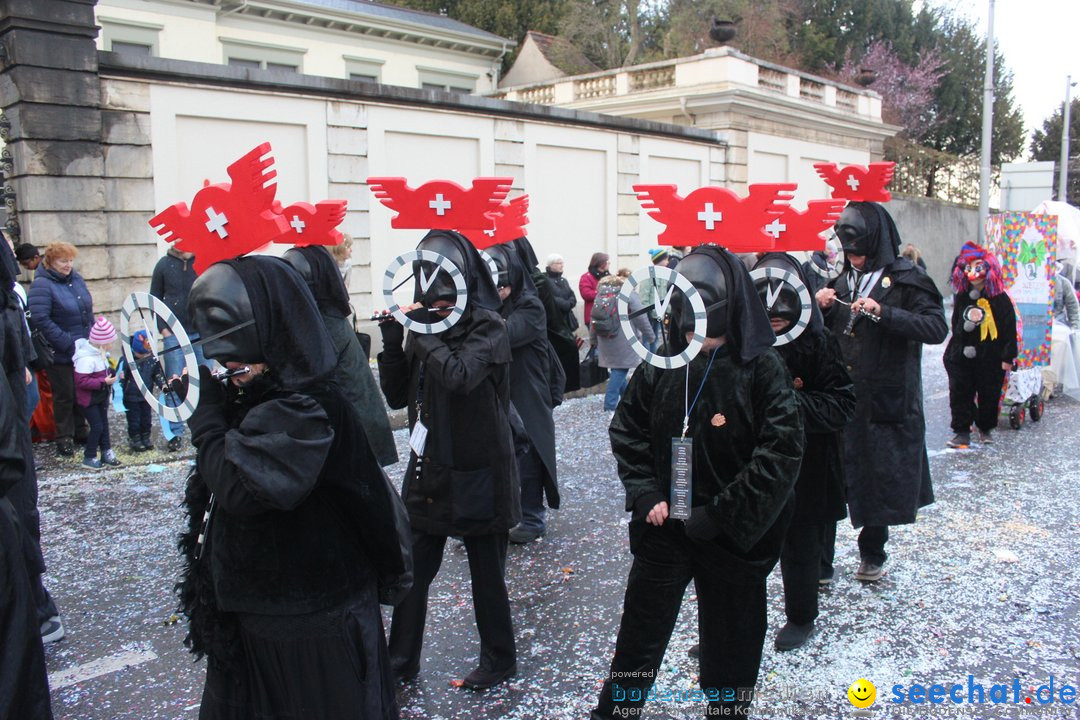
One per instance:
(51, 121)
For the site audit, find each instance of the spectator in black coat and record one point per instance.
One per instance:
(171, 282)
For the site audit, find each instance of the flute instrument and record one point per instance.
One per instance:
(223, 376)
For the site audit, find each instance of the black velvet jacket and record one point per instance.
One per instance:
(467, 481)
(302, 518)
(748, 443)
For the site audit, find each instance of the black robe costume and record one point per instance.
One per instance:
(745, 467)
(560, 333)
(352, 371)
(975, 384)
(531, 370)
(24, 687)
(457, 383)
(885, 464)
(826, 396)
(283, 599)
(467, 479)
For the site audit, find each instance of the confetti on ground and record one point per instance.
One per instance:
(947, 607)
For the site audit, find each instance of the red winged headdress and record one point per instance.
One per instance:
(226, 220)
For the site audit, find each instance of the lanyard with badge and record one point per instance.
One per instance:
(418, 436)
(682, 451)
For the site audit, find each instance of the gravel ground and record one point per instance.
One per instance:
(985, 584)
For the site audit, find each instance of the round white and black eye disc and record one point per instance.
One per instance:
(675, 281)
(443, 263)
(142, 308)
(806, 309)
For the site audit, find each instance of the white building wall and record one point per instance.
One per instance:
(199, 34)
(579, 180)
(773, 159)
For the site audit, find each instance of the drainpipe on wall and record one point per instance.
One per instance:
(242, 6)
(685, 113)
(496, 68)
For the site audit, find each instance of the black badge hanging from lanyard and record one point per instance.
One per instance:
(682, 452)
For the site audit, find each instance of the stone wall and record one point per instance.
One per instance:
(938, 229)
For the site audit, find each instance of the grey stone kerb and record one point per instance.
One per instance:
(128, 66)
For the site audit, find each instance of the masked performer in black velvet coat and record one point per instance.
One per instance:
(24, 689)
(535, 377)
(747, 443)
(885, 464)
(294, 509)
(462, 480)
(351, 370)
(826, 396)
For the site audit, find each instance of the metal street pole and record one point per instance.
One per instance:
(1064, 174)
(987, 126)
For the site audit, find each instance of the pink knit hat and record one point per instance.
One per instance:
(103, 333)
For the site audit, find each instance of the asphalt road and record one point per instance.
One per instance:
(985, 584)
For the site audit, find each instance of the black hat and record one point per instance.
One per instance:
(26, 252)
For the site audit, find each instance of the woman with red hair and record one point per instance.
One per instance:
(983, 343)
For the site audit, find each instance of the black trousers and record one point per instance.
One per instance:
(731, 625)
(67, 413)
(800, 568)
(491, 604)
(872, 539)
(975, 393)
(828, 550)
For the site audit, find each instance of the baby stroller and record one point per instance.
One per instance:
(1023, 393)
(1023, 396)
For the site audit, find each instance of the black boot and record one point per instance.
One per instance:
(134, 443)
(792, 636)
(145, 440)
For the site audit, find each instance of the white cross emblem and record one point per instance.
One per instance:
(775, 228)
(852, 182)
(297, 224)
(440, 204)
(489, 233)
(710, 217)
(215, 222)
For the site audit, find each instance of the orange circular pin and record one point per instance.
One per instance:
(718, 420)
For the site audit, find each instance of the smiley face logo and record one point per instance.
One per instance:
(862, 693)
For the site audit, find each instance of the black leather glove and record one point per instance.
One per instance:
(209, 414)
(393, 337)
(700, 525)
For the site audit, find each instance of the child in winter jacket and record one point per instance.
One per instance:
(138, 410)
(93, 386)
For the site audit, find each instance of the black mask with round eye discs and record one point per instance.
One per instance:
(222, 314)
(706, 275)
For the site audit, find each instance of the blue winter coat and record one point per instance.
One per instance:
(61, 307)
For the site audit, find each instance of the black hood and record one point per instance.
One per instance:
(320, 272)
(788, 305)
(458, 249)
(748, 331)
(866, 228)
(288, 333)
(9, 268)
(512, 271)
(525, 251)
